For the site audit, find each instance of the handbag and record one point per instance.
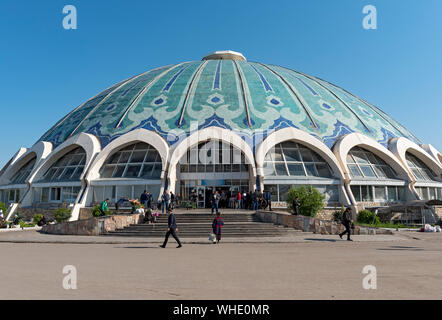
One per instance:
(212, 237)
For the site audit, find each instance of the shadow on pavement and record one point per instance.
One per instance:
(401, 248)
(326, 240)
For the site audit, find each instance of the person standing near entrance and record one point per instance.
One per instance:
(172, 229)
(295, 206)
(165, 199)
(217, 225)
(255, 200)
(143, 199)
(268, 199)
(346, 221)
(215, 201)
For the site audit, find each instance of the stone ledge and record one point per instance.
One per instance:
(92, 226)
(308, 224)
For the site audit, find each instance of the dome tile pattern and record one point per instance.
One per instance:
(248, 97)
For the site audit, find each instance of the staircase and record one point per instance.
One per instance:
(236, 225)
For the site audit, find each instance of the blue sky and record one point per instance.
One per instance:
(46, 71)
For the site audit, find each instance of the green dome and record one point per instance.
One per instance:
(228, 92)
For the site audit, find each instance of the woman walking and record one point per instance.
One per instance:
(217, 225)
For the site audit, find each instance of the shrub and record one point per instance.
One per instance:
(338, 214)
(62, 215)
(96, 212)
(311, 201)
(37, 217)
(4, 207)
(367, 217)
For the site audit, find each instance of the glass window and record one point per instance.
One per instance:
(356, 190)
(367, 171)
(64, 168)
(295, 169)
(419, 169)
(216, 156)
(379, 193)
(24, 172)
(354, 171)
(368, 165)
(366, 193)
(283, 191)
(299, 160)
(391, 193)
(134, 161)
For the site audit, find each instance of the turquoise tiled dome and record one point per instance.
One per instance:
(247, 97)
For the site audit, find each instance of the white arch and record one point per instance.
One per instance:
(40, 151)
(436, 154)
(12, 161)
(88, 142)
(400, 146)
(207, 134)
(293, 134)
(139, 135)
(307, 140)
(349, 141)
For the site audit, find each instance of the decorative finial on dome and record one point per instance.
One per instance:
(225, 55)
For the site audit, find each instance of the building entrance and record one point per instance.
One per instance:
(204, 193)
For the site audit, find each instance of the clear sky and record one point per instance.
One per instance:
(46, 71)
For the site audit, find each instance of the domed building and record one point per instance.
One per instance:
(224, 124)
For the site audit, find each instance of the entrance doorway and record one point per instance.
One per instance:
(227, 195)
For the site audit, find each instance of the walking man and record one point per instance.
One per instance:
(172, 229)
(295, 205)
(346, 221)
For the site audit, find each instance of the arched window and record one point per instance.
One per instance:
(365, 164)
(67, 168)
(138, 160)
(213, 156)
(292, 159)
(24, 172)
(419, 169)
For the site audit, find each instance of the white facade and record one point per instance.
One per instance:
(90, 187)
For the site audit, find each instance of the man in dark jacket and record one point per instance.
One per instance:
(295, 206)
(346, 221)
(143, 199)
(172, 229)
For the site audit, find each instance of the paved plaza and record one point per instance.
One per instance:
(302, 266)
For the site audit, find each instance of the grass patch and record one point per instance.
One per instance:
(386, 225)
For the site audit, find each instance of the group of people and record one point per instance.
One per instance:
(168, 201)
(246, 200)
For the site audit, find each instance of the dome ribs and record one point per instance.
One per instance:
(60, 122)
(243, 90)
(293, 90)
(339, 99)
(189, 90)
(375, 109)
(105, 98)
(141, 94)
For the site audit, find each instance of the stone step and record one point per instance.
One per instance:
(200, 225)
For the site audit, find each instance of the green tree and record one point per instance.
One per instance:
(311, 201)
